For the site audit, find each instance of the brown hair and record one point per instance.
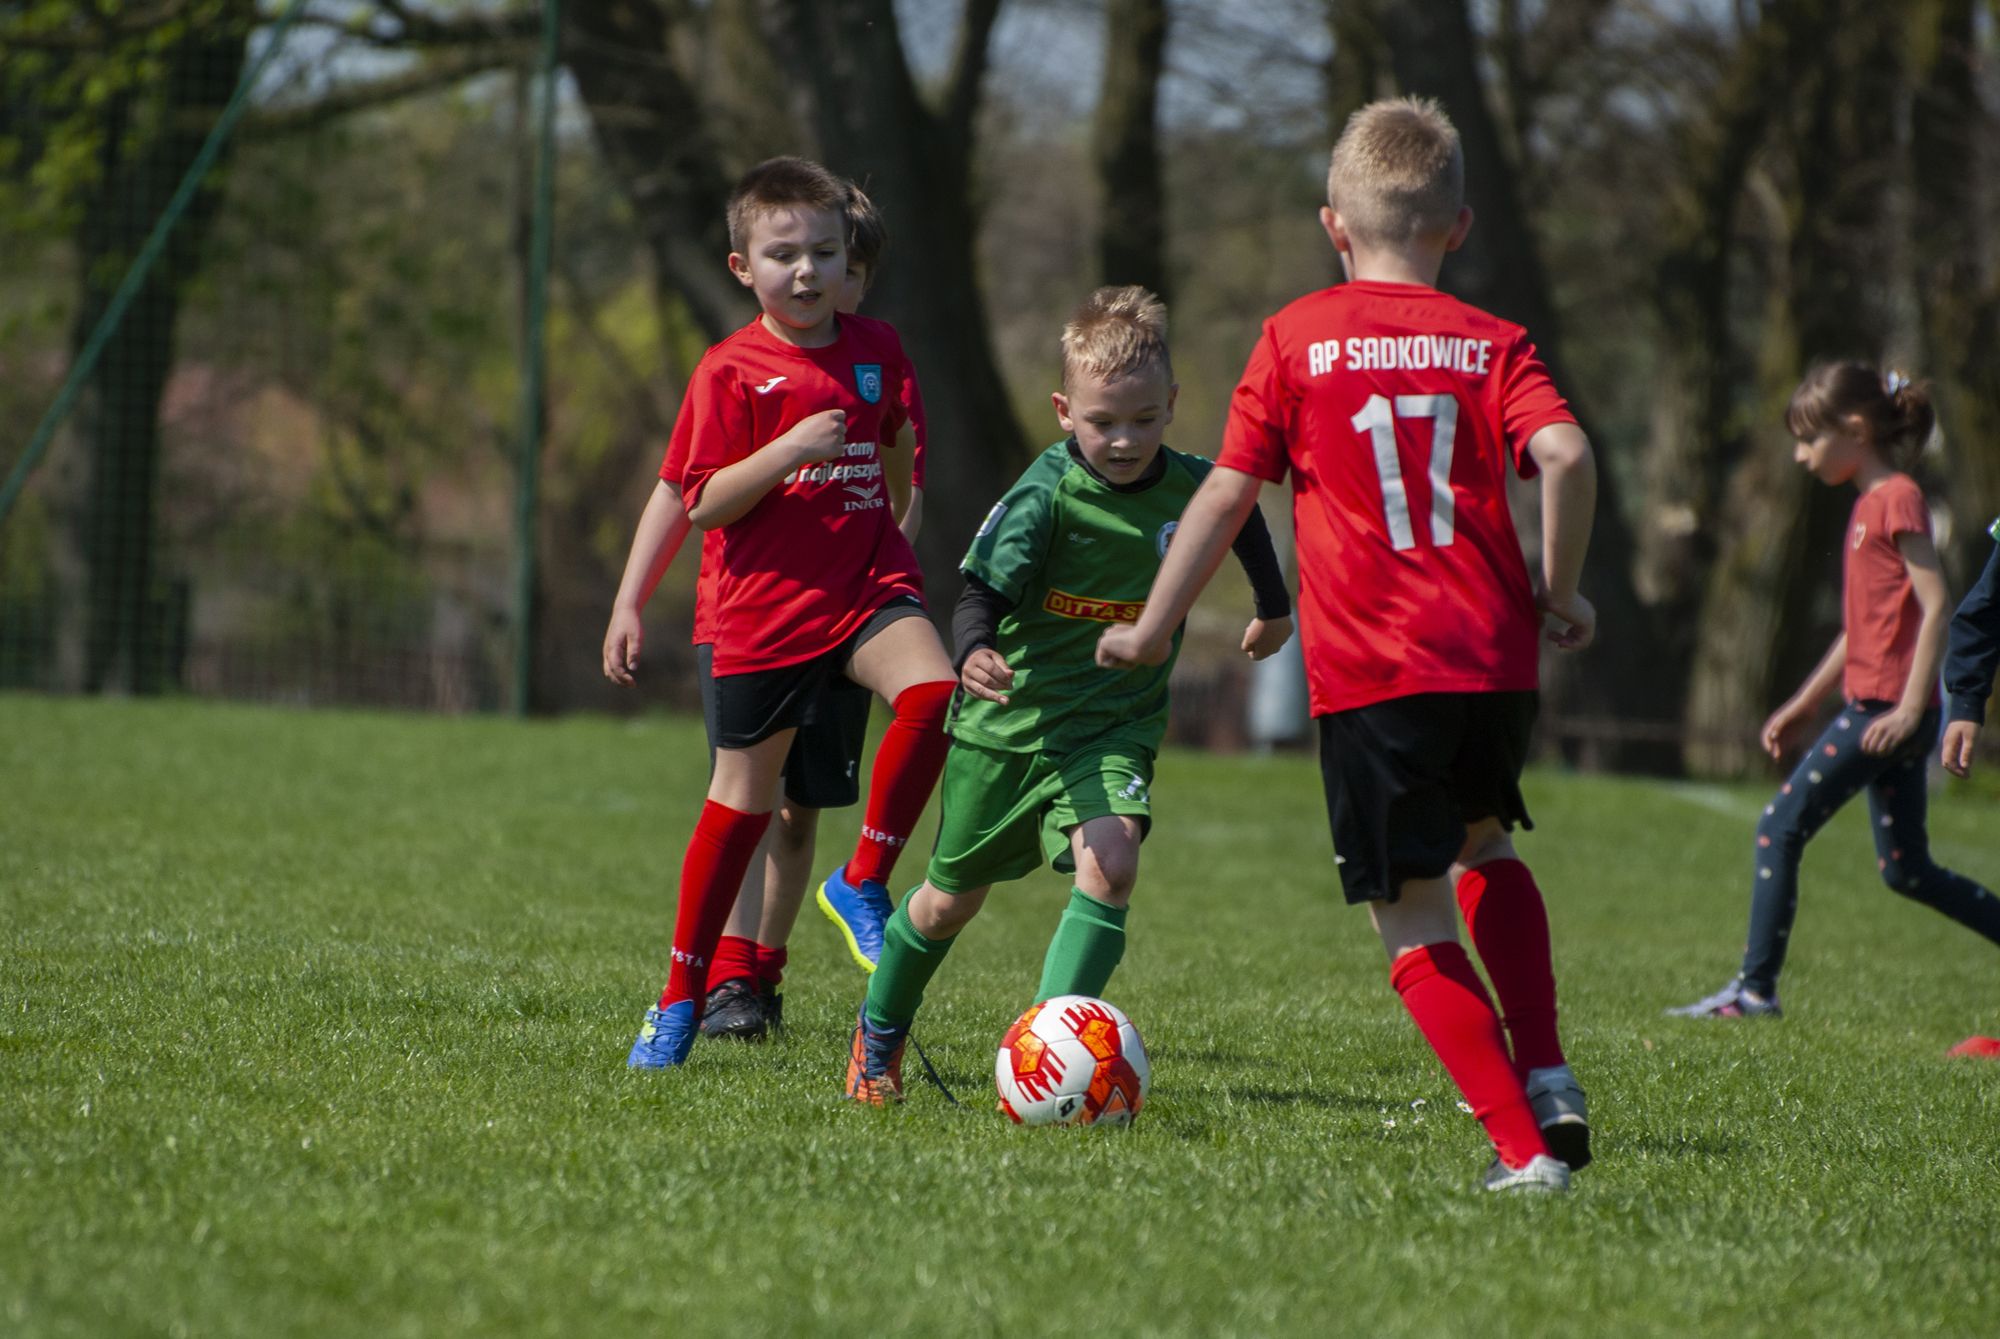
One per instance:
(1116, 333)
(1397, 172)
(781, 183)
(867, 238)
(1897, 410)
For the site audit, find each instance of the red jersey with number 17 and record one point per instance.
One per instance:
(1398, 411)
(800, 572)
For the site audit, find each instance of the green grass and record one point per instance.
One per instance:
(315, 1024)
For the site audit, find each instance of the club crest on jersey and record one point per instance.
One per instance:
(868, 381)
(1166, 536)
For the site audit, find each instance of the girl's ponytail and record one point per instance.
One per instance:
(1911, 418)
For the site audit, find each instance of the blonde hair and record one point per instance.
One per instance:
(1116, 333)
(1397, 172)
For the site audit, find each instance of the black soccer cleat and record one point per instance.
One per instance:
(735, 1010)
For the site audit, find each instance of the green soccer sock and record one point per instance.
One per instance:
(908, 963)
(1089, 942)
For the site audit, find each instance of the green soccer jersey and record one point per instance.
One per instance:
(1076, 556)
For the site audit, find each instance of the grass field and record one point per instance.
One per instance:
(316, 1024)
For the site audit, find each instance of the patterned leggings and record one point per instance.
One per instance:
(1827, 778)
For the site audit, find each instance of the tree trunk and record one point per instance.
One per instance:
(1774, 600)
(649, 123)
(151, 137)
(1132, 229)
(916, 161)
(1435, 54)
(1956, 291)
(1695, 438)
(1357, 70)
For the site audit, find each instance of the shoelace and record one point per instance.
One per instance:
(930, 1072)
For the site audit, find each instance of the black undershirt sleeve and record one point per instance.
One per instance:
(1253, 548)
(976, 618)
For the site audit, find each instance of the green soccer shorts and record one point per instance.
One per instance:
(1003, 814)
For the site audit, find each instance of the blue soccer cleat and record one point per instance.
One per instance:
(666, 1038)
(859, 912)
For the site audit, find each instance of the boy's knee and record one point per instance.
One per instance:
(1486, 840)
(937, 914)
(1106, 851)
(797, 828)
(1110, 881)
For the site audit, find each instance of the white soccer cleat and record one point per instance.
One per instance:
(1563, 1114)
(1542, 1176)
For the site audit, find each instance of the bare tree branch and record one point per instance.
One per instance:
(439, 72)
(968, 69)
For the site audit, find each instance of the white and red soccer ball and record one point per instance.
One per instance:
(1072, 1060)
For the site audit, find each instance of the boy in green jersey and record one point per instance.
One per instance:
(1052, 757)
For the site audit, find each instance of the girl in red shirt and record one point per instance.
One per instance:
(1853, 425)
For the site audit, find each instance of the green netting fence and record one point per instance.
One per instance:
(273, 321)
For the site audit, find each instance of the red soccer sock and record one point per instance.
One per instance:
(1444, 995)
(906, 771)
(735, 960)
(717, 855)
(770, 966)
(1510, 928)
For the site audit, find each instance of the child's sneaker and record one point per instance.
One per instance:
(875, 1062)
(666, 1038)
(1542, 1176)
(1563, 1114)
(736, 1010)
(1732, 1001)
(859, 912)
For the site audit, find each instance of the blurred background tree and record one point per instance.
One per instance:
(291, 475)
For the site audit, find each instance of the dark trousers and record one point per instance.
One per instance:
(1827, 778)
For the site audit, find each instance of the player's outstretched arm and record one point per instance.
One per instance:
(662, 528)
(1569, 504)
(735, 489)
(1272, 627)
(1208, 527)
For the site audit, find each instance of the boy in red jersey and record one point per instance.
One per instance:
(822, 770)
(1397, 411)
(806, 577)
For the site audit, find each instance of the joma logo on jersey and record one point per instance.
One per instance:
(1064, 605)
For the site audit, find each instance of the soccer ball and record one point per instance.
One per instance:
(1072, 1060)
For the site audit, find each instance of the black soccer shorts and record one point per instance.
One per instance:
(1405, 777)
(829, 711)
